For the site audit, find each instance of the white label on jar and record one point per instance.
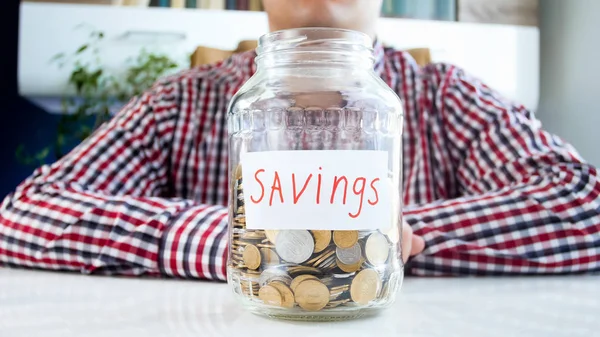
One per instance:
(335, 190)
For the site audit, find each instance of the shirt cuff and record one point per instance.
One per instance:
(194, 244)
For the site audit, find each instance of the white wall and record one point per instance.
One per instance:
(570, 72)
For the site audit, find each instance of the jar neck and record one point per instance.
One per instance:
(315, 47)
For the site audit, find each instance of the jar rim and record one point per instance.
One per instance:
(312, 37)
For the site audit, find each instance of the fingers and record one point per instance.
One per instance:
(411, 244)
(407, 240)
(418, 245)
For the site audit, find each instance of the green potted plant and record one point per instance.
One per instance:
(97, 93)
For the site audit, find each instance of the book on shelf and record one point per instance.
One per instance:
(177, 3)
(190, 3)
(216, 4)
(164, 3)
(132, 3)
(255, 5)
(230, 4)
(420, 9)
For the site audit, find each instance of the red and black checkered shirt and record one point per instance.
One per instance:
(486, 187)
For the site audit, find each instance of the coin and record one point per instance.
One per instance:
(312, 295)
(294, 246)
(270, 295)
(285, 279)
(345, 239)
(253, 235)
(297, 270)
(269, 256)
(342, 287)
(270, 274)
(271, 234)
(349, 255)
(251, 257)
(349, 268)
(334, 304)
(296, 281)
(287, 296)
(322, 240)
(328, 264)
(318, 257)
(238, 172)
(365, 286)
(323, 258)
(262, 245)
(377, 249)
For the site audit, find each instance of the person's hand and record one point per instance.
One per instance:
(411, 244)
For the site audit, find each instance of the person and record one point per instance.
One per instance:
(486, 190)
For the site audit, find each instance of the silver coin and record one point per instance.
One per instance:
(377, 249)
(350, 255)
(328, 262)
(294, 246)
(271, 274)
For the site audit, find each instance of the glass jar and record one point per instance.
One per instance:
(315, 178)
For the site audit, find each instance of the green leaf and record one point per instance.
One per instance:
(82, 48)
(57, 57)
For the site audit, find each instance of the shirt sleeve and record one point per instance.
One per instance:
(105, 207)
(526, 202)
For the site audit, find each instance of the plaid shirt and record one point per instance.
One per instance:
(486, 187)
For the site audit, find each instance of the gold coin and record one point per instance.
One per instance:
(312, 295)
(271, 234)
(365, 286)
(334, 304)
(303, 270)
(345, 239)
(322, 240)
(343, 287)
(269, 256)
(314, 260)
(296, 281)
(349, 268)
(253, 235)
(238, 172)
(324, 257)
(251, 257)
(270, 295)
(287, 296)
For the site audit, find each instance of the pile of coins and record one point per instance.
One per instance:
(312, 269)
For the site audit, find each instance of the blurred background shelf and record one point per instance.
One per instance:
(513, 12)
(512, 49)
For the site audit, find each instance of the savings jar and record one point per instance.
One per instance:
(315, 179)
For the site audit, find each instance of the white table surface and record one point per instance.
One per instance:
(34, 303)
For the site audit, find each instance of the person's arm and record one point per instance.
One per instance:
(528, 203)
(105, 207)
